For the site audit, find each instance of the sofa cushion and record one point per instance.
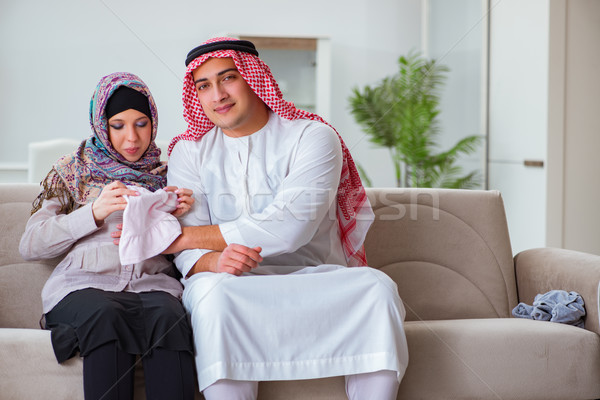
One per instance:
(15, 209)
(21, 281)
(37, 374)
(448, 251)
(470, 359)
(20, 294)
(501, 358)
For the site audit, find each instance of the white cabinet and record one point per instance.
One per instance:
(518, 115)
(544, 105)
(523, 191)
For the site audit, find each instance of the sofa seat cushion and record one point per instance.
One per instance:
(35, 374)
(501, 358)
(469, 359)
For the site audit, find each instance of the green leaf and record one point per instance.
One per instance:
(401, 113)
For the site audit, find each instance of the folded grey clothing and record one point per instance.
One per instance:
(554, 306)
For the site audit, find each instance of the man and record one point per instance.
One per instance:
(279, 215)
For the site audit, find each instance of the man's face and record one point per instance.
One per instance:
(226, 98)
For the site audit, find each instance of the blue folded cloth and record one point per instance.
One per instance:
(554, 306)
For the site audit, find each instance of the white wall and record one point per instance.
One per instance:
(54, 53)
(456, 37)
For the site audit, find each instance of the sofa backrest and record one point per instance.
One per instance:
(21, 281)
(448, 251)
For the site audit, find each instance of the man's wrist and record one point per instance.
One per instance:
(206, 263)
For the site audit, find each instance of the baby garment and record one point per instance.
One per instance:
(148, 226)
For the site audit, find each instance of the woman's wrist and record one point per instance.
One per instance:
(99, 222)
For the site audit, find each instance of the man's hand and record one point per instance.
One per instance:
(110, 200)
(184, 199)
(237, 259)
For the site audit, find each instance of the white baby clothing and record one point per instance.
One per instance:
(148, 225)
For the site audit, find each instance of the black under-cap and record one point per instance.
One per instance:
(238, 45)
(124, 98)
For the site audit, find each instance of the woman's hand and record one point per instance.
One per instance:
(184, 199)
(110, 200)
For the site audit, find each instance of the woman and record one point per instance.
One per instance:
(92, 304)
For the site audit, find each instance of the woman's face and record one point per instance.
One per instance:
(130, 133)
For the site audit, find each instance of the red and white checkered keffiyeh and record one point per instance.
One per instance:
(351, 197)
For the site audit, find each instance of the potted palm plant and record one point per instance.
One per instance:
(400, 113)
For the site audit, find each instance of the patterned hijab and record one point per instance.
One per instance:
(354, 212)
(78, 178)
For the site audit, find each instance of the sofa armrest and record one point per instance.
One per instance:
(541, 270)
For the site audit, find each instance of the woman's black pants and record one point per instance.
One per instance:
(108, 374)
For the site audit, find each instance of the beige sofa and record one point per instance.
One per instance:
(450, 254)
